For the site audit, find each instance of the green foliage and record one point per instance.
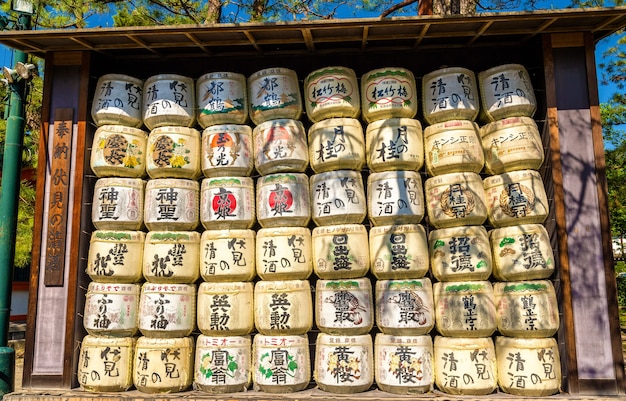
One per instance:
(25, 220)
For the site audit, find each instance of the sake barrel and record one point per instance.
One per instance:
(171, 257)
(514, 198)
(465, 308)
(225, 309)
(163, 365)
(506, 91)
(448, 94)
(173, 152)
(526, 308)
(465, 366)
(169, 99)
(172, 204)
(344, 364)
(512, 144)
(395, 197)
(282, 364)
(227, 255)
(336, 144)
(331, 92)
(344, 307)
(119, 151)
(221, 98)
(394, 144)
(280, 146)
(223, 364)
(388, 93)
(111, 309)
(227, 202)
(528, 366)
(274, 93)
(340, 251)
(404, 364)
(398, 251)
(284, 253)
(337, 197)
(455, 199)
(115, 256)
(105, 364)
(118, 204)
(283, 200)
(283, 307)
(117, 100)
(405, 307)
(453, 146)
(227, 151)
(167, 310)
(460, 253)
(521, 252)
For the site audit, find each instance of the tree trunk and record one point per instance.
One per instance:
(454, 7)
(214, 12)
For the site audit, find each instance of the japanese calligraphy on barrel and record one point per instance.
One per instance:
(119, 151)
(331, 92)
(118, 100)
(169, 99)
(221, 98)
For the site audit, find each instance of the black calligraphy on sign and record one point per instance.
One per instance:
(58, 176)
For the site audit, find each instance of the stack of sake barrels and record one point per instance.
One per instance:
(527, 317)
(167, 309)
(460, 256)
(283, 308)
(118, 159)
(344, 312)
(397, 241)
(227, 248)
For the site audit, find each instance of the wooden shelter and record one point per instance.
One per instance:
(556, 47)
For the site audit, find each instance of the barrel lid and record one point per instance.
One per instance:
(458, 231)
(398, 228)
(175, 129)
(282, 285)
(226, 287)
(173, 183)
(335, 122)
(524, 342)
(222, 75)
(120, 77)
(121, 129)
(451, 125)
(445, 71)
(495, 126)
(172, 236)
(393, 122)
(452, 178)
(161, 77)
(510, 177)
(228, 128)
(227, 234)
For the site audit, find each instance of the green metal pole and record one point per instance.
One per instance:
(9, 198)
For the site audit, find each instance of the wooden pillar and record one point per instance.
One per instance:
(53, 327)
(593, 358)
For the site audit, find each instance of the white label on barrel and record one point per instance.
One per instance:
(222, 361)
(389, 90)
(168, 97)
(404, 363)
(117, 204)
(111, 308)
(344, 305)
(118, 97)
(171, 205)
(227, 199)
(331, 88)
(222, 94)
(228, 257)
(507, 88)
(276, 90)
(338, 195)
(450, 92)
(406, 305)
(281, 360)
(226, 149)
(395, 144)
(396, 196)
(167, 307)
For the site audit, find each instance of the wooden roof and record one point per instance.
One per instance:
(327, 36)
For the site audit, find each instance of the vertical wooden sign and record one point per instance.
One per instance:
(59, 176)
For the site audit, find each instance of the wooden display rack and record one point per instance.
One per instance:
(556, 47)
